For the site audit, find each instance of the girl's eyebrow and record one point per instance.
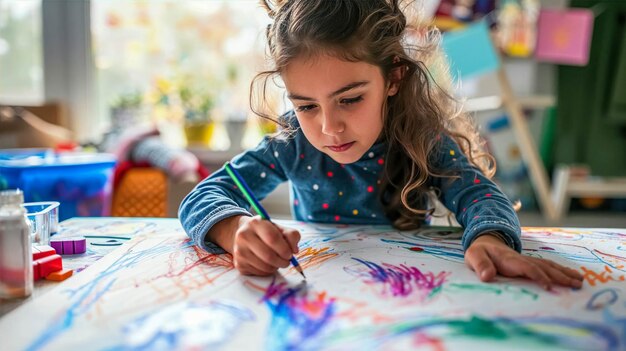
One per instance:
(333, 94)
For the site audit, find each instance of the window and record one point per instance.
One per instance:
(156, 49)
(21, 67)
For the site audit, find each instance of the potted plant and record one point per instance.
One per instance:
(126, 110)
(197, 106)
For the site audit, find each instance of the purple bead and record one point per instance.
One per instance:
(80, 246)
(57, 246)
(70, 245)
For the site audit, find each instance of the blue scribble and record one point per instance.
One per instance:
(185, 326)
(296, 318)
(83, 298)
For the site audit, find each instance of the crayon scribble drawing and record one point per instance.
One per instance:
(366, 288)
(399, 280)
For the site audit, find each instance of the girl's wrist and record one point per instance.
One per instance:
(501, 237)
(223, 232)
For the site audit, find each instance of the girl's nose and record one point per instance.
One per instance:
(332, 125)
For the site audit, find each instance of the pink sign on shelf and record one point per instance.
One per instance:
(564, 36)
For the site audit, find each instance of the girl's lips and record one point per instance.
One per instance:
(342, 147)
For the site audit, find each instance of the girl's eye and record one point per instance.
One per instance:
(354, 100)
(305, 108)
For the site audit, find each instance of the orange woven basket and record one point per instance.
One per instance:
(142, 192)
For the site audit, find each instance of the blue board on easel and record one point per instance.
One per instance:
(470, 51)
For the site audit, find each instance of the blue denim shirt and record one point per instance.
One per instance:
(323, 190)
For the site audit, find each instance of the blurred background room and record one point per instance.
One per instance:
(119, 108)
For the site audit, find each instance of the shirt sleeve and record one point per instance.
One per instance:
(477, 202)
(217, 197)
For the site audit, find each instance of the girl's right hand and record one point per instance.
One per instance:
(258, 246)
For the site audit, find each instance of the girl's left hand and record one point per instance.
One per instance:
(488, 255)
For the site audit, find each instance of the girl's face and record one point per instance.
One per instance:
(338, 103)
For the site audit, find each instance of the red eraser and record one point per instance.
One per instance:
(60, 275)
(41, 251)
(50, 264)
(36, 270)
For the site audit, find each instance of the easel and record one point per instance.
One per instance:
(553, 200)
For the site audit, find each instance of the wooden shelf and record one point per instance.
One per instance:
(488, 103)
(213, 157)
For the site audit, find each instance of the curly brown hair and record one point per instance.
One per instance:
(377, 32)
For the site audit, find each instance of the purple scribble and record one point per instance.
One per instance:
(298, 316)
(403, 280)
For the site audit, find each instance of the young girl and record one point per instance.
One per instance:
(370, 137)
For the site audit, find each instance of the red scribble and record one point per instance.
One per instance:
(422, 340)
(619, 258)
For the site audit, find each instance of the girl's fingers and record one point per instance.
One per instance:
(251, 270)
(534, 272)
(480, 262)
(560, 274)
(482, 258)
(265, 254)
(559, 277)
(571, 273)
(273, 238)
(245, 259)
(516, 265)
(293, 237)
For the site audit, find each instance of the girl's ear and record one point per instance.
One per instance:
(395, 77)
(394, 84)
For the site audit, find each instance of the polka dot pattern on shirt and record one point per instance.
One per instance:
(338, 171)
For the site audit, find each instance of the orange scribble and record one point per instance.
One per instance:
(358, 310)
(601, 277)
(311, 251)
(311, 257)
(317, 306)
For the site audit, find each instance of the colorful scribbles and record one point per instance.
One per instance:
(370, 288)
(400, 280)
(297, 316)
(478, 332)
(454, 254)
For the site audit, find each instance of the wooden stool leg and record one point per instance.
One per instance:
(560, 195)
(538, 174)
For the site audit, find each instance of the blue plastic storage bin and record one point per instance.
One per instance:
(81, 182)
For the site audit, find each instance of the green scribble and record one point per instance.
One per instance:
(435, 291)
(474, 287)
(491, 288)
(479, 327)
(474, 327)
(523, 291)
(496, 330)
